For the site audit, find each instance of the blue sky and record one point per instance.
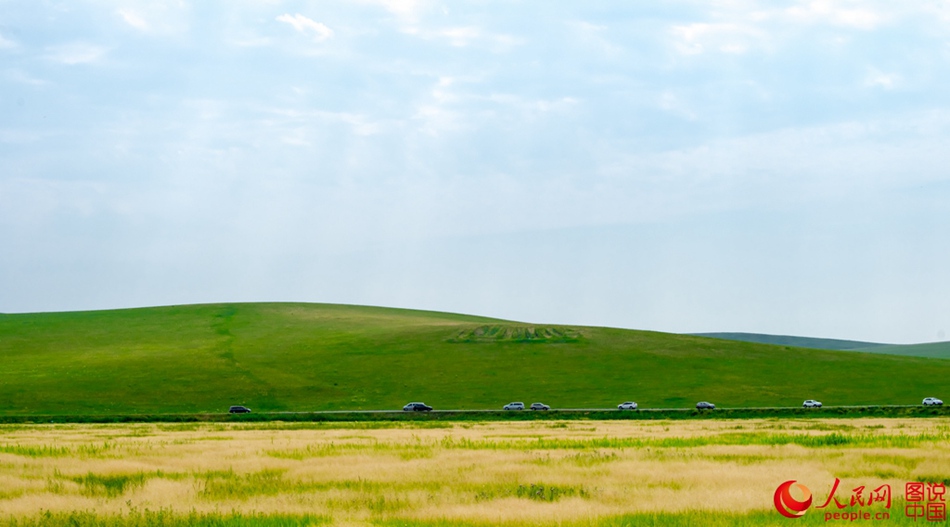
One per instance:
(776, 167)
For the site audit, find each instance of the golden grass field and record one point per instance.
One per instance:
(518, 473)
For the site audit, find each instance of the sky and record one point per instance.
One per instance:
(689, 166)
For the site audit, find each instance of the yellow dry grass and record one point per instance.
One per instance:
(492, 472)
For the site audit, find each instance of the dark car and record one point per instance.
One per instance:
(540, 406)
(417, 407)
(239, 410)
(703, 405)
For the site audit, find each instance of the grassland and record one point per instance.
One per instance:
(936, 350)
(798, 342)
(594, 473)
(855, 412)
(307, 357)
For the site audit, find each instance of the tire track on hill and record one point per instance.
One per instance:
(221, 324)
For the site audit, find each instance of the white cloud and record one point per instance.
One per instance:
(435, 119)
(673, 104)
(359, 123)
(859, 14)
(408, 10)
(551, 105)
(526, 105)
(76, 53)
(459, 36)
(835, 12)
(741, 27)
(409, 14)
(133, 19)
(442, 91)
(878, 79)
(731, 38)
(6, 43)
(409, 19)
(587, 26)
(295, 126)
(593, 35)
(465, 36)
(25, 78)
(250, 41)
(158, 17)
(439, 114)
(791, 166)
(304, 25)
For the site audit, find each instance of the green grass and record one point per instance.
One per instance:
(935, 350)
(317, 420)
(689, 518)
(111, 485)
(799, 342)
(161, 518)
(594, 445)
(309, 357)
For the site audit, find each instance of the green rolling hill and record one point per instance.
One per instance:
(798, 342)
(936, 350)
(203, 358)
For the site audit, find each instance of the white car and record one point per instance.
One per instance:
(932, 401)
(811, 403)
(514, 406)
(627, 406)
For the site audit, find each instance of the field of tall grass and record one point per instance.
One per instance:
(610, 473)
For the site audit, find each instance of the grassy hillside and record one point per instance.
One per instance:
(798, 342)
(330, 357)
(936, 350)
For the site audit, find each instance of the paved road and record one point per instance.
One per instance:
(614, 409)
(493, 413)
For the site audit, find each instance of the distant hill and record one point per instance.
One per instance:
(937, 350)
(934, 350)
(798, 342)
(304, 357)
